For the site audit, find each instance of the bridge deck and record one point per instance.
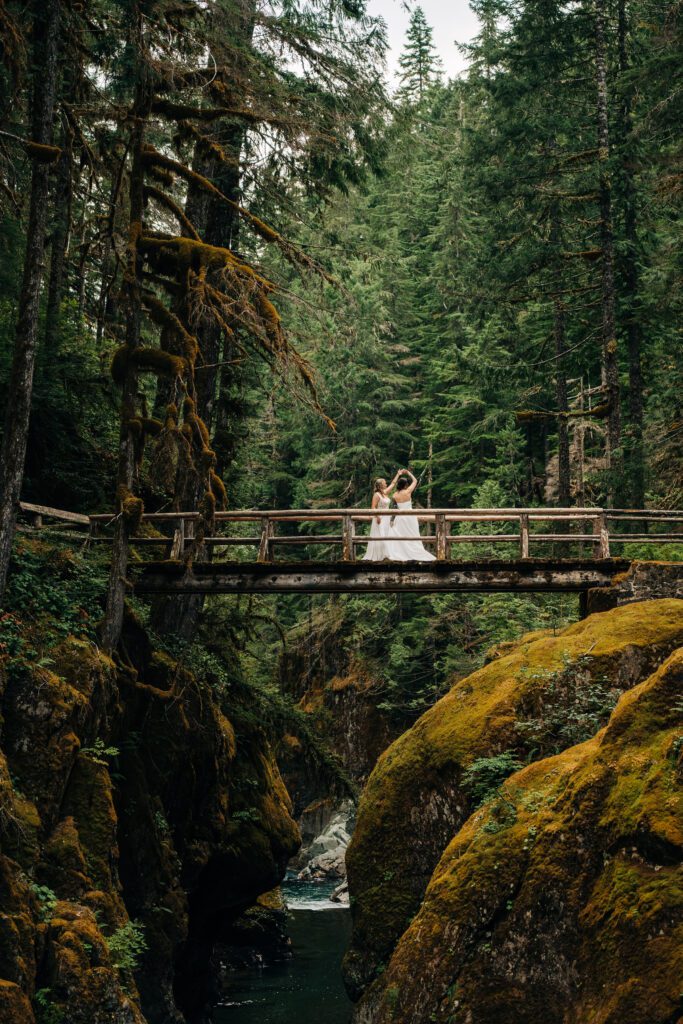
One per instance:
(523, 575)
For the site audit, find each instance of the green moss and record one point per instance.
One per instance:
(415, 791)
(585, 883)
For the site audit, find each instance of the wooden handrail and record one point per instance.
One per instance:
(594, 524)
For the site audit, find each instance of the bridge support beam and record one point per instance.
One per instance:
(524, 575)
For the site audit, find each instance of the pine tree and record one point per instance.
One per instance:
(419, 62)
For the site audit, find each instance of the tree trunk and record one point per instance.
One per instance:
(218, 224)
(630, 276)
(562, 401)
(60, 240)
(116, 592)
(46, 20)
(610, 365)
(563, 465)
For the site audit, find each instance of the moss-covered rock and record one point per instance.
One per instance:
(14, 1005)
(542, 696)
(560, 901)
(127, 793)
(78, 972)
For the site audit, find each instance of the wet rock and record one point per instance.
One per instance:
(341, 893)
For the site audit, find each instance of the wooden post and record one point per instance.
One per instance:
(441, 537)
(265, 550)
(178, 543)
(347, 541)
(601, 545)
(524, 535)
(93, 531)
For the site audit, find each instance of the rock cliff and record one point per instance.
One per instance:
(541, 696)
(561, 899)
(141, 812)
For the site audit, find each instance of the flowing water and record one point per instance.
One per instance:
(308, 988)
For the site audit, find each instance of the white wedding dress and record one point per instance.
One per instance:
(411, 550)
(379, 547)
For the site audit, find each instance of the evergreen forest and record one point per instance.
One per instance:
(249, 262)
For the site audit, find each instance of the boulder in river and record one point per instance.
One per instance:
(326, 856)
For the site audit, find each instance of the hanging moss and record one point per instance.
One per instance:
(119, 365)
(42, 153)
(207, 506)
(161, 175)
(196, 422)
(131, 507)
(164, 200)
(154, 359)
(162, 316)
(159, 361)
(153, 158)
(218, 487)
(187, 253)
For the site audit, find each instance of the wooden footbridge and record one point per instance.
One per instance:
(507, 549)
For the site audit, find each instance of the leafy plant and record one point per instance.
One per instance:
(99, 752)
(126, 945)
(483, 778)
(250, 815)
(47, 899)
(47, 1011)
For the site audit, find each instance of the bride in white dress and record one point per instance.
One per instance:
(411, 550)
(379, 547)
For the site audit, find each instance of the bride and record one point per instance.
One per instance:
(382, 544)
(379, 548)
(411, 550)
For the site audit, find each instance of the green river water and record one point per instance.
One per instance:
(307, 989)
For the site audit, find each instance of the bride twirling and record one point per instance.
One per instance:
(412, 549)
(379, 547)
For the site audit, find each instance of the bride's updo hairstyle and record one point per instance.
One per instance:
(404, 483)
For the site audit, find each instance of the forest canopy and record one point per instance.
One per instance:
(242, 270)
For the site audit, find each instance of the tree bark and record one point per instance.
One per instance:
(218, 224)
(59, 242)
(563, 470)
(559, 334)
(46, 18)
(610, 365)
(116, 591)
(630, 275)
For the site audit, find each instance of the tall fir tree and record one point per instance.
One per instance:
(419, 62)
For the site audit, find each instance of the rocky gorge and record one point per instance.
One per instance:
(514, 854)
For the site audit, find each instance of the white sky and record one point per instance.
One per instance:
(451, 20)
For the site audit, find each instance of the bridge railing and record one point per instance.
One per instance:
(524, 528)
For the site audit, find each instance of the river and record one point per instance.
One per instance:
(307, 989)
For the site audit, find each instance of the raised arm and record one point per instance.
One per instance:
(413, 484)
(393, 483)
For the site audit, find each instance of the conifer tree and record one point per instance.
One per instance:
(419, 63)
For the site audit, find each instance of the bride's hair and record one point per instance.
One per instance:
(403, 483)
